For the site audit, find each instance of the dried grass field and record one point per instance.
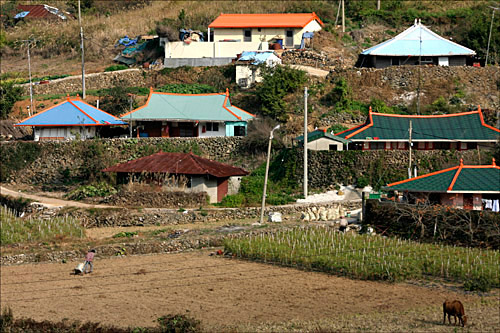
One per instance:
(230, 295)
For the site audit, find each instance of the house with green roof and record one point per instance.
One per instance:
(322, 140)
(464, 186)
(459, 131)
(188, 115)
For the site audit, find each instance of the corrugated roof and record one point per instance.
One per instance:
(194, 107)
(465, 126)
(42, 11)
(458, 179)
(408, 43)
(178, 163)
(72, 112)
(318, 134)
(287, 20)
(257, 57)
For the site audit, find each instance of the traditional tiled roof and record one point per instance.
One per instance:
(287, 20)
(72, 112)
(194, 107)
(318, 134)
(408, 43)
(458, 179)
(465, 126)
(178, 163)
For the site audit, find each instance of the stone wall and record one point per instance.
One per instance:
(60, 160)
(399, 84)
(308, 58)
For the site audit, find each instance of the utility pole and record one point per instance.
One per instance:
(419, 70)
(267, 172)
(338, 12)
(305, 143)
(32, 109)
(378, 4)
(489, 37)
(343, 16)
(130, 122)
(409, 147)
(83, 50)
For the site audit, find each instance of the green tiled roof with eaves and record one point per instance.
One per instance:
(318, 134)
(458, 179)
(466, 126)
(188, 107)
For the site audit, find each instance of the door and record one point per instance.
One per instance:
(443, 61)
(468, 201)
(289, 38)
(222, 184)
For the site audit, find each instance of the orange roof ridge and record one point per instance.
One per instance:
(460, 167)
(85, 113)
(423, 176)
(426, 116)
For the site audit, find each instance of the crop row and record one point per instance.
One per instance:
(367, 257)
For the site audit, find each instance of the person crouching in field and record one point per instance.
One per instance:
(89, 258)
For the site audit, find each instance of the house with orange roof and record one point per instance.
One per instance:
(283, 28)
(474, 187)
(459, 131)
(188, 115)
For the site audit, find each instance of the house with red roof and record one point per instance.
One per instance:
(69, 120)
(185, 171)
(41, 12)
(474, 187)
(459, 131)
(283, 28)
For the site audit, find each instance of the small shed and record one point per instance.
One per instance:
(322, 140)
(69, 120)
(416, 45)
(41, 12)
(200, 174)
(474, 187)
(247, 70)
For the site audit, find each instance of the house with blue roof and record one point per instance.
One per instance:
(69, 120)
(416, 45)
(188, 115)
(247, 70)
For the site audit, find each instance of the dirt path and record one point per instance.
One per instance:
(134, 291)
(48, 202)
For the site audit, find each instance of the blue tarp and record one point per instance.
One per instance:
(126, 41)
(21, 15)
(72, 113)
(131, 49)
(257, 57)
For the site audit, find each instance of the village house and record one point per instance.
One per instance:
(284, 29)
(475, 187)
(248, 71)
(416, 45)
(185, 171)
(459, 131)
(231, 34)
(41, 12)
(322, 140)
(188, 115)
(69, 120)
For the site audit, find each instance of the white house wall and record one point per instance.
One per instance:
(208, 134)
(64, 133)
(179, 50)
(203, 184)
(324, 144)
(233, 185)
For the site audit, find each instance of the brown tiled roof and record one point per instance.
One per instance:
(37, 11)
(178, 163)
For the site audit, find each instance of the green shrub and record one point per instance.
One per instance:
(113, 68)
(178, 324)
(101, 189)
(127, 234)
(9, 94)
(233, 201)
(181, 88)
(477, 284)
(16, 156)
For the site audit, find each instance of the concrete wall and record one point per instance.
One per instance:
(205, 184)
(233, 185)
(176, 50)
(324, 144)
(246, 75)
(207, 134)
(196, 62)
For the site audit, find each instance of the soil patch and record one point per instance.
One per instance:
(135, 290)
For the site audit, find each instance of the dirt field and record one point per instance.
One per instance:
(225, 294)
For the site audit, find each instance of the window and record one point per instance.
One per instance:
(212, 127)
(247, 35)
(442, 145)
(333, 147)
(395, 61)
(471, 145)
(377, 145)
(239, 131)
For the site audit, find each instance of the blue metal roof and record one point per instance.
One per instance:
(71, 113)
(257, 57)
(407, 43)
